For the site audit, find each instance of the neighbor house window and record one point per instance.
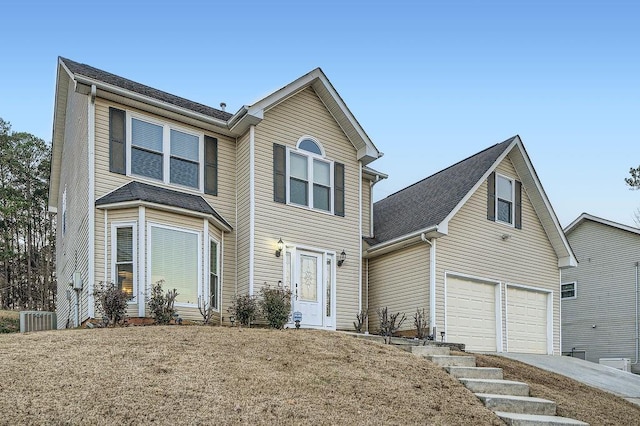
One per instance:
(310, 176)
(161, 152)
(123, 255)
(175, 259)
(504, 199)
(214, 282)
(568, 291)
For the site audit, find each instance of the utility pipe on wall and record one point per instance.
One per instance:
(432, 282)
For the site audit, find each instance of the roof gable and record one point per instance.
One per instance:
(588, 217)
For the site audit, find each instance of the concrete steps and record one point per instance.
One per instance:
(510, 400)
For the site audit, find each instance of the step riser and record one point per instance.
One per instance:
(515, 389)
(452, 361)
(430, 350)
(512, 419)
(522, 407)
(475, 373)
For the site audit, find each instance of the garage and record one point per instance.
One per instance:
(527, 320)
(471, 313)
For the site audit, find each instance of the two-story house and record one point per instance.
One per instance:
(149, 186)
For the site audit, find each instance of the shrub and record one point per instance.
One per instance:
(206, 309)
(161, 304)
(389, 324)
(9, 324)
(275, 304)
(244, 308)
(361, 321)
(112, 302)
(421, 323)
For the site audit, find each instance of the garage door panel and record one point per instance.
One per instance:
(526, 320)
(471, 314)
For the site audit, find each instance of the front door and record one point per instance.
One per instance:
(307, 292)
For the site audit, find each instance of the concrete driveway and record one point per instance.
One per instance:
(626, 385)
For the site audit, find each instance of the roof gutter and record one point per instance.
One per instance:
(401, 242)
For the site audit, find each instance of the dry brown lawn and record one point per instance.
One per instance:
(573, 399)
(209, 375)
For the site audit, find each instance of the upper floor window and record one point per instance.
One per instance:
(310, 176)
(504, 199)
(568, 291)
(142, 146)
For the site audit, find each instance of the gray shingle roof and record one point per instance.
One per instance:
(123, 83)
(134, 191)
(428, 202)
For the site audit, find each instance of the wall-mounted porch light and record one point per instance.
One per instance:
(280, 247)
(341, 258)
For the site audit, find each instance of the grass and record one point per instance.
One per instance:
(207, 375)
(9, 321)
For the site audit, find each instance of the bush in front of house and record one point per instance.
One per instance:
(389, 323)
(244, 309)
(161, 304)
(361, 321)
(112, 302)
(421, 324)
(275, 304)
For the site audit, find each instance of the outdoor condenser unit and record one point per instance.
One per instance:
(37, 321)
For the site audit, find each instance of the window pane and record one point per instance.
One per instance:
(174, 259)
(298, 166)
(146, 135)
(213, 258)
(311, 146)
(124, 244)
(124, 274)
(321, 198)
(184, 172)
(146, 163)
(213, 287)
(298, 192)
(329, 281)
(321, 173)
(504, 189)
(504, 211)
(309, 278)
(184, 145)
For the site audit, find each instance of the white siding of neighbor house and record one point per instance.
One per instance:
(399, 280)
(474, 246)
(305, 114)
(606, 281)
(72, 248)
(224, 202)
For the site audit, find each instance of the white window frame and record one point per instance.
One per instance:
(114, 255)
(575, 290)
(512, 201)
(199, 260)
(166, 151)
(219, 256)
(310, 181)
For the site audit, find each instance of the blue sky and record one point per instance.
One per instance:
(430, 82)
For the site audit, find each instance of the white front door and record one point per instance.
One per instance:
(308, 289)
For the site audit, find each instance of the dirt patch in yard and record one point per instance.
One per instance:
(208, 375)
(573, 399)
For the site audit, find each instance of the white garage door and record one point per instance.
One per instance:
(471, 314)
(526, 321)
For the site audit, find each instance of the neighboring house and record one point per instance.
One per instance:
(600, 296)
(479, 248)
(149, 186)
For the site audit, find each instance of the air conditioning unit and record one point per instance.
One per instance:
(623, 364)
(37, 321)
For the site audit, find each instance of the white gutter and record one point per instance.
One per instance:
(252, 204)
(91, 129)
(401, 239)
(637, 329)
(432, 282)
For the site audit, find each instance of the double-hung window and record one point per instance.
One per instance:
(123, 255)
(568, 291)
(310, 176)
(214, 281)
(161, 152)
(504, 199)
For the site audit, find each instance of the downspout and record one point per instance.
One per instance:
(637, 330)
(360, 237)
(432, 282)
(91, 129)
(366, 277)
(221, 275)
(252, 204)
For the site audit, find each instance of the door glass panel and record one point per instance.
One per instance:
(329, 279)
(287, 270)
(309, 278)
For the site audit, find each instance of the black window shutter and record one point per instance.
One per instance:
(491, 197)
(279, 173)
(210, 165)
(117, 141)
(338, 189)
(518, 205)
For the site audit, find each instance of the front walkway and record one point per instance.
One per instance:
(626, 385)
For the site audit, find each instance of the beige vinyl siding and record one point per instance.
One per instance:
(72, 248)
(605, 290)
(304, 114)
(243, 232)
(474, 247)
(366, 208)
(400, 281)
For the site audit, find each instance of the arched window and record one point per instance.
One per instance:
(310, 145)
(310, 182)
